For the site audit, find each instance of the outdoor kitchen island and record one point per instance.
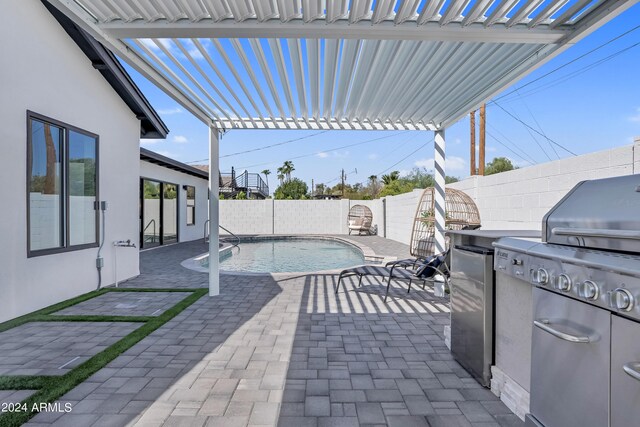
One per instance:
(571, 327)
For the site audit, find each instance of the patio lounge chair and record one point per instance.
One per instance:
(415, 269)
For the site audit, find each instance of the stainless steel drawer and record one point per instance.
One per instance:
(570, 362)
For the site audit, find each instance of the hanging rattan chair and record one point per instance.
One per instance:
(461, 213)
(359, 219)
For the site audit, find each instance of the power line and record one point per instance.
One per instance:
(535, 130)
(505, 146)
(262, 148)
(570, 62)
(514, 145)
(534, 138)
(573, 74)
(537, 124)
(335, 148)
(406, 157)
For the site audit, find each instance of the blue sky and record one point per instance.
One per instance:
(591, 105)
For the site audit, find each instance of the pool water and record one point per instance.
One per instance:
(290, 255)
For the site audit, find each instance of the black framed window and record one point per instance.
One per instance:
(62, 186)
(191, 205)
(158, 213)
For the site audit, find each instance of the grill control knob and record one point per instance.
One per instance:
(622, 299)
(589, 290)
(563, 283)
(543, 276)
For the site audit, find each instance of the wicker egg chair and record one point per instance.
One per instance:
(359, 219)
(461, 212)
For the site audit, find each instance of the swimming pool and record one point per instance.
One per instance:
(289, 255)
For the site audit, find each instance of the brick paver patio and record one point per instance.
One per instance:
(285, 351)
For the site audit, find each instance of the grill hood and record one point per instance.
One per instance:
(598, 214)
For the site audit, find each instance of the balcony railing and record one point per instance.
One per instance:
(251, 184)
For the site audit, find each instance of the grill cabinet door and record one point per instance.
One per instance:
(472, 310)
(569, 379)
(625, 382)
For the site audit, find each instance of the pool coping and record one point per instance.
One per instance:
(369, 254)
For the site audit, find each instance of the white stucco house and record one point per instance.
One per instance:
(72, 120)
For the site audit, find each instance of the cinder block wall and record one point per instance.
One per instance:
(293, 216)
(519, 199)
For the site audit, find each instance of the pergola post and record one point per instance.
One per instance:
(440, 191)
(214, 217)
(439, 205)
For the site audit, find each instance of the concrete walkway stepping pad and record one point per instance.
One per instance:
(54, 348)
(126, 304)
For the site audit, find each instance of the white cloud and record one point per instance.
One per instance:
(169, 111)
(636, 117)
(180, 139)
(453, 164)
(150, 141)
(373, 156)
(334, 154)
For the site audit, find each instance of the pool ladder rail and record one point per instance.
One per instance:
(233, 239)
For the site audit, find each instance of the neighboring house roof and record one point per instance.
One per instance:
(159, 159)
(103, 60)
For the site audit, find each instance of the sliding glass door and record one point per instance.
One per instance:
(158, 213)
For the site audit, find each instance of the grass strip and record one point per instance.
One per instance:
(22, 382)
(52, 388)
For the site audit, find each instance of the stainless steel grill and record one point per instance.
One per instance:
(585, 368)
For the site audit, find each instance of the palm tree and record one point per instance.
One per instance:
(374, 187)
(287, 168)
(280, 177)
(266, 174)
(388, 179)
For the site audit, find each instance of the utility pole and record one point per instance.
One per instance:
(342, 175)
(472, 157)
(483, 122)
(313, 188)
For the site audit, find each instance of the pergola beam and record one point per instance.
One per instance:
(320, 29)
(313, 124)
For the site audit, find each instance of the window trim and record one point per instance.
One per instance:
(186, 198)
(64, 196)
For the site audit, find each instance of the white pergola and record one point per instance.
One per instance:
(341, 64)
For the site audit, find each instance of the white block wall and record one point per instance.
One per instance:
(293, 216)
(520, 198)
(400, 212)
(247, 216)
(185, 232)
(44, 71)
